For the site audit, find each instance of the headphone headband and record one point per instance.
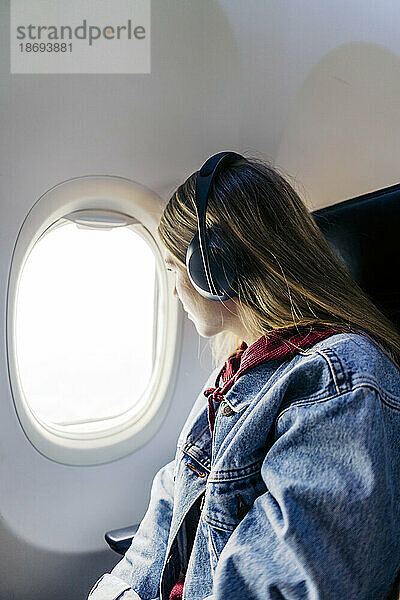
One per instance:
(204, 180)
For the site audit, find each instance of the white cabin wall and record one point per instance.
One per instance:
(312, 85)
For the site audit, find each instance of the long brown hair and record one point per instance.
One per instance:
(288, 275)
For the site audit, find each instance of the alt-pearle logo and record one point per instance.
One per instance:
(80, 36)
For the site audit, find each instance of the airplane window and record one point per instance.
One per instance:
(85, 324)
(93, 328)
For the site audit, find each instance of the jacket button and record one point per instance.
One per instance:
(227, 411)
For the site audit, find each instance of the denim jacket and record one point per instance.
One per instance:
(296, 497)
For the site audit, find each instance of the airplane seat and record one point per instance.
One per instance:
(363, 232)
(120, 539)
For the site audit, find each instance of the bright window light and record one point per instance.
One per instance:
(85, 323)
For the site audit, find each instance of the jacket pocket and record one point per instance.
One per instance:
(226, 503)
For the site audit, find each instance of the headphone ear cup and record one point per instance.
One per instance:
(222, 274)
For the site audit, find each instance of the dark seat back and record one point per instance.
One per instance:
(364, 232)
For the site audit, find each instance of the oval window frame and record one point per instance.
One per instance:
(122, 195)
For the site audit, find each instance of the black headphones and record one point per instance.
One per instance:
(212, 276)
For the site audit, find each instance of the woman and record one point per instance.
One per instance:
(286, 478)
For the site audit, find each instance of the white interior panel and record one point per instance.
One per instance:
(311, 85)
